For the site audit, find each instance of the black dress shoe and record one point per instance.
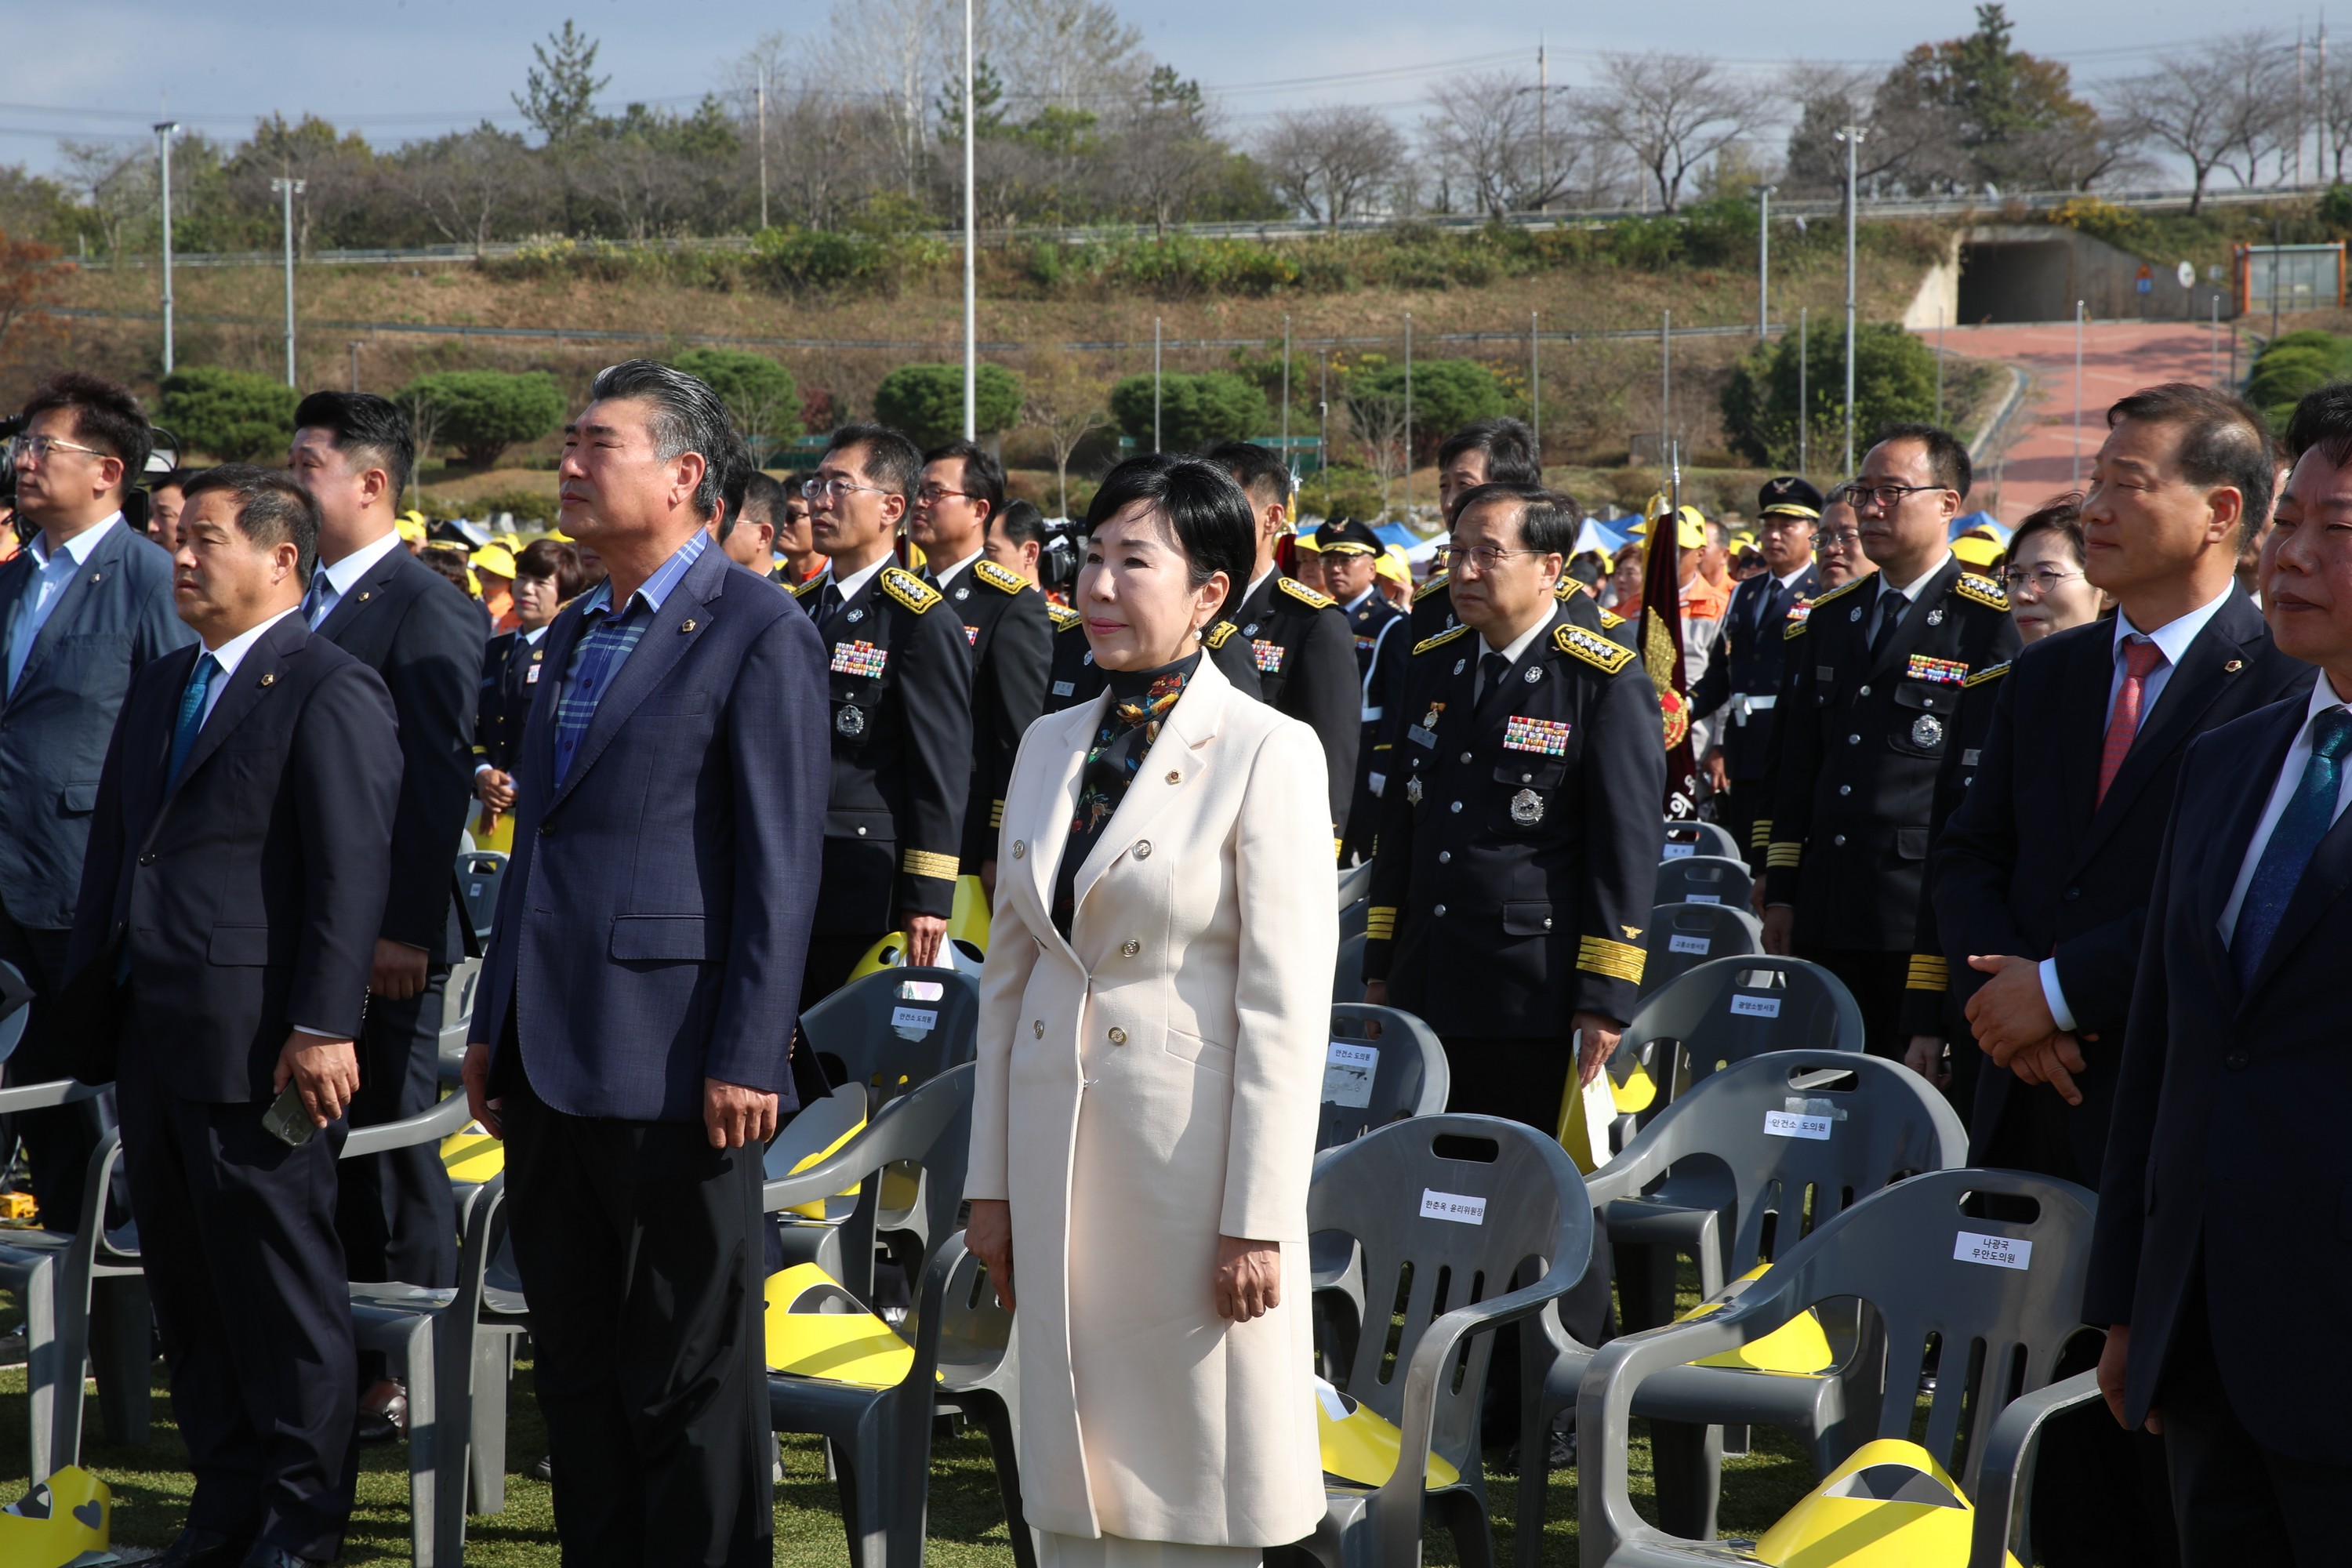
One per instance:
(264, 1555)
(194, 1548)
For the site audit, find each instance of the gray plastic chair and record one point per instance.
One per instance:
(481, 873)
(2004, 1481)
(881, 1438)
(432, 1335)
(1688, 835)
(1708, 1179)
(1729, 1009)
(980, 1378)
(1704, 879)
(1452, 1278)
(15, 999)
(1682, 936)
(85, 1300)
(1986, 1332)
(1354, 914)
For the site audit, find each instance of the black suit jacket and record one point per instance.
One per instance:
(1305, 652)
(414, 629)
(1003, 619)
(2227, 1168)
(247, 900)
(2027, 865)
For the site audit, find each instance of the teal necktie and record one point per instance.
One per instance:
(2310, 813)
(191, 719)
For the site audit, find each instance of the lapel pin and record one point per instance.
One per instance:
(2234, 665)
(268, 677)
(97, 577)
(365, 596)
(687, 624)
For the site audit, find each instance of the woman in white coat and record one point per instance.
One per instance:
(1153, 1020)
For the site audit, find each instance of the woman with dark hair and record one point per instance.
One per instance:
(1151, 1043)
(2043, 574)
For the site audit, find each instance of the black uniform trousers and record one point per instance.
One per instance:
(237, 1232)
(1877, 980)
(396, 1216)
(640, 1247)
(58, 1143)
(1523, 1080)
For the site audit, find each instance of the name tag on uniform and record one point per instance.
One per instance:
(1420, 737)
(1546, 737)
(1940, 672)
(531, 677)
(859, 659)
(1267, 654)
(1063, 687)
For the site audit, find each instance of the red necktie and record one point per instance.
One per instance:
(2140, 658)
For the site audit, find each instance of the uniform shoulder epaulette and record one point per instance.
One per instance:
(1437, 580)
(1305, 594)
(1989, 672)
(909, 589)
(1607, 657)
(1841, 588)
(1218, 634)
(1063, 618)
(1611, 620)
(801, 590)
(1983, 590)
(1794, 627)
(1440, 641)
(996, 576)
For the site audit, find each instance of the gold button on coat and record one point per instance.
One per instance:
(1118, 1036)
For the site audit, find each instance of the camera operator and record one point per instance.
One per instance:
(84, 606)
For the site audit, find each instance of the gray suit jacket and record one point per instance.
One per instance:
(109, 623)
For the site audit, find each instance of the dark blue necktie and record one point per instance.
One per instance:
(191, 717)
(2310, 813)
(1891, 606)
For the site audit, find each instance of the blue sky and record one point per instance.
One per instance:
(398, 68)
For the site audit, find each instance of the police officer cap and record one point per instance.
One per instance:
(1790, 493)
(1346, 536)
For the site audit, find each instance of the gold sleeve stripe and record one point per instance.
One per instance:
(1617, 960)
(1762, 836)
(996, 813)
(1781, 854)
(1337, 848)
(1929, 972)
(1380, 924)
(925, 863)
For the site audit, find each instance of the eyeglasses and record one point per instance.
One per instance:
(36, 448)
(833, 489)
(1485, 557)
(2044, 579)
(1843, 538)
(934, 494)
(1885, 497)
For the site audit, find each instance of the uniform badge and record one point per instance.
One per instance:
(1413, 791)
(855, 616)
(1267, 656)
(850, 721)
(1534, 674)
(532, 677)
(1926, 730)
(971, 632)
(1429, 719)
(1250, 630)
(1798, 612)
(1936, 616)
(1460, 665)
(963, 593)
(860, 659)
(1939, 671)
(1545, 737)
(1527, 808)
(1856, 614)
(1366, 645)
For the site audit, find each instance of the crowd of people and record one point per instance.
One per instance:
(2059, 809)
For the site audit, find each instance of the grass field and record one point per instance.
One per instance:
(967, 1522)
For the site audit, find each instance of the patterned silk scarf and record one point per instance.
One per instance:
(1141, 702)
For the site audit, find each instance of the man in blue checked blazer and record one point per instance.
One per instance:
(634, 1026)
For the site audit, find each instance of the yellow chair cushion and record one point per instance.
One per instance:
(1798, 1348)
(66, 1519)
(471, 1154)
(1890, 1505)
(1362, 1447)
(817, 1329)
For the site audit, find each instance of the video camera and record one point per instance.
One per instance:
(1057, 563)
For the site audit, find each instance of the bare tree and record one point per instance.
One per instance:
(1332, 163)
(469, 180)
(1378, 419)
(1071, 54)
(117, 181)
(896, 51)
(1672, 113)
(1163, 157)
(2215, 107)
(1066, 402)
(2336, 114)
(1486, 136)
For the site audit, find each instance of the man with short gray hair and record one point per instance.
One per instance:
(635, 1014)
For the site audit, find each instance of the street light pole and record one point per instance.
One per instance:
(1763, 259)
(971, 256)
(164, 130)
(1804, 409)
(1285, 387)
(1155, 384)
(288, 190)
(763, 143)
(2076, 478)
(1535, 385)
(1665, 381)
(1851, 136)
(1408, 413)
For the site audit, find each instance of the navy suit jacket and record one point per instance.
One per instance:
(2025, 865)
(412, 627)
(2228, 1137)
(246, 899)
(110, 621)
(655, 917)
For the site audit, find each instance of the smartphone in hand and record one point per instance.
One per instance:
(287, 1120)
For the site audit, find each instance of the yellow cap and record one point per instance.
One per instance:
(412, 528)
(496, 559)
(1978, 551)
(1306, 538)
(1743, 539)
(1690, 527)
(1393, 567)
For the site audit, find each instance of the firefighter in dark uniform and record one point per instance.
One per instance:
(1745, 674)
(901, 690)
(1003, 618)
(1521, 829)
(1298, 640)
(1350, 552)
(1879, 667)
